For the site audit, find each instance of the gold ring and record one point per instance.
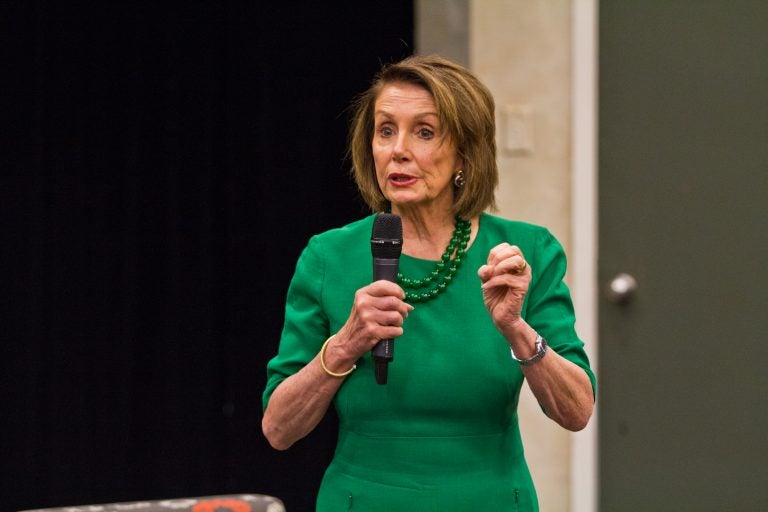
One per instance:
(522, 267)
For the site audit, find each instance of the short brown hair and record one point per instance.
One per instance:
(465, 108)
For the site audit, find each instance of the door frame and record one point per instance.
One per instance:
(584, 219)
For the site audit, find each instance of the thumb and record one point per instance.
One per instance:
(485, 272)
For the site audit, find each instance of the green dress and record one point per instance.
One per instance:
(442, 434)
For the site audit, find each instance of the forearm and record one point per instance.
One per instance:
(562, 388)
(300, 401)
(298, 404)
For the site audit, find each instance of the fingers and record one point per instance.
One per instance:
(513, 265)
(379, 310)
(384, 289)
(501, 252)
(387, 296)
(504, 259)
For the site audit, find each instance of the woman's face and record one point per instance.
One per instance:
(415, 160)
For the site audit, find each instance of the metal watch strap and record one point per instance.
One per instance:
(541, 349)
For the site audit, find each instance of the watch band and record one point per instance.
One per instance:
(541, 349)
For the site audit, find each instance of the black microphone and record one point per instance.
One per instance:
(386, 245)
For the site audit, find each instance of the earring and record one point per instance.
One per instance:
(458, 179)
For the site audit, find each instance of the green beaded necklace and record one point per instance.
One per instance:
(429, 287)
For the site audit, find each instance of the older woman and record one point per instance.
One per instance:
(479, 305)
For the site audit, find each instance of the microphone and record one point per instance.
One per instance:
(386, 245)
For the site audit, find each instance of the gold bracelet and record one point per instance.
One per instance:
(322, 361)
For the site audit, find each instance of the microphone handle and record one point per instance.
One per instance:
(385, 268)
(383, 352)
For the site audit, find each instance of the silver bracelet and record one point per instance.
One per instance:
(541, 349)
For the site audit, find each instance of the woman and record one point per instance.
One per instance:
(442, 434)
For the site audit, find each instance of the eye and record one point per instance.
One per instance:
(426, 133)
(386, 131)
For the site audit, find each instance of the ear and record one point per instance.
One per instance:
(459, 160)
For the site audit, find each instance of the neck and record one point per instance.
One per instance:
(426, 234)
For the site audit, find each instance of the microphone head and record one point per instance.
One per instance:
(387, 236)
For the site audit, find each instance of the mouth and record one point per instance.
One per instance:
(400, 180)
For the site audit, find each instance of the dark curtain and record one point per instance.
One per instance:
(163, 166)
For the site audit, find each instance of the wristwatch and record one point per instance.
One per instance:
(541, 349)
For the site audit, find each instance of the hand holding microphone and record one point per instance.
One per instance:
(378, 310)
(386, 246)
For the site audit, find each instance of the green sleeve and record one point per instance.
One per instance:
(306, 324)
(549, 308)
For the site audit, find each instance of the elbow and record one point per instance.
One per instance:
(575, 418)
(576, 425)
(277, 445)
(274, 435)
(578, 420)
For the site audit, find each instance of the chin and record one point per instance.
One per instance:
(405, 198)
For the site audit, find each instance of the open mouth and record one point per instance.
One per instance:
(401, 179)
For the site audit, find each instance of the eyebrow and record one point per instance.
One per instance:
(418, 116)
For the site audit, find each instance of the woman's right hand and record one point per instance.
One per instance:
(300, 401)
(378, 312)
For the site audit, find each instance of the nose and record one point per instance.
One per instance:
(400, 150)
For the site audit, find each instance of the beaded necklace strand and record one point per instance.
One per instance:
(429, 287)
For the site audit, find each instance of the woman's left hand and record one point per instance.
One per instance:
(562, 388)
(505, 278)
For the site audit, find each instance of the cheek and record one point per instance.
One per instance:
(379, 164)
(380, 168)
(438, 166)
(381, 180)
(380, 156)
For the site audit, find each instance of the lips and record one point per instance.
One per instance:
(401, 180)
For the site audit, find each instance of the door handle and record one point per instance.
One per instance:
(621, 289)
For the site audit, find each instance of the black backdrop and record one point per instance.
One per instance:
(163, 166)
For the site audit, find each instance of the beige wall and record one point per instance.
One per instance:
(521, 49)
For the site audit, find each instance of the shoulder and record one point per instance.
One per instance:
(355, 233)
(338, 255)
(512, 229)
(536, 242)
(341, 244)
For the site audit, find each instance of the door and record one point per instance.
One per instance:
(683, 176)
